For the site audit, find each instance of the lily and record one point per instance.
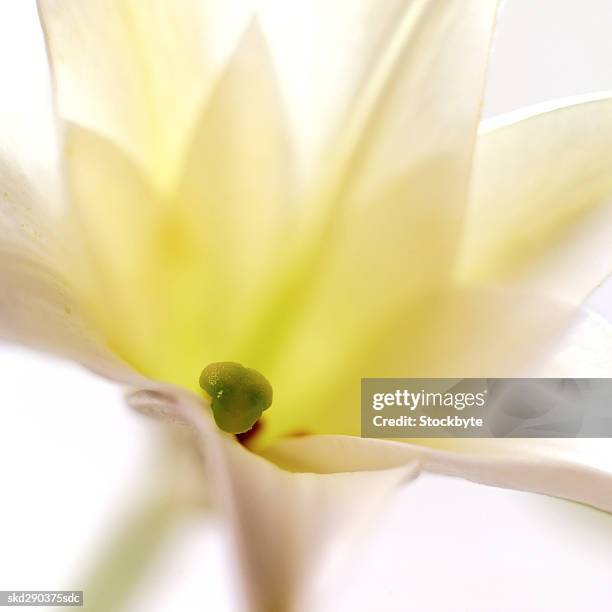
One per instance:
(306, 190)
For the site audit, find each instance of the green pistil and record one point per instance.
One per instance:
(238, 395)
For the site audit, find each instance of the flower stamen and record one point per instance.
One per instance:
(238, 395)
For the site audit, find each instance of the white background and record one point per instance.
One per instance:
(71, 453)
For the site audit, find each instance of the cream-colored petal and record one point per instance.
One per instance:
(379, 231)
(185, 269)
(542, 199)
(381, 75)
(237, 185)
(468, 332)
(137, 72)
(321, 81)
(289, 529)
(31, 197)
(576, 469)
(393, 178)
(38, 306)
(120, 222)
(583, 351)
(579, 470)
(30, 159)
(143, 271)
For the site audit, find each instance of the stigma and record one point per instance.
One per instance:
(238, 395)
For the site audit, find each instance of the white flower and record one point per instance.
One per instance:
(306, 192)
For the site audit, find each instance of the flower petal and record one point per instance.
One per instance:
(38, 309)
(31, 195)
(542, 199)
(38, 306)
(584, 351)
(30, 187)
(181, 266)
(379, 228)
(137, 72)
(289, 529)
(119, 219)
(392, 184)
(237, 182)
(381, 74)
(577, 469)
(468, 332)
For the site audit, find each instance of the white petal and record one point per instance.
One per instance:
(542, 199)
(382, 226)
(469, 332)
(576, 469)
(380, 75)
(30, 183)
(237, 182)
(584, 351)
(38, 307)
(579, 470)
(137, 72)
(31, 189)
(182, 266)
(289, 529)
(394, 168)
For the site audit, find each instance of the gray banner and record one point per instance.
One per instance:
(41, 598)
(486, 408)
